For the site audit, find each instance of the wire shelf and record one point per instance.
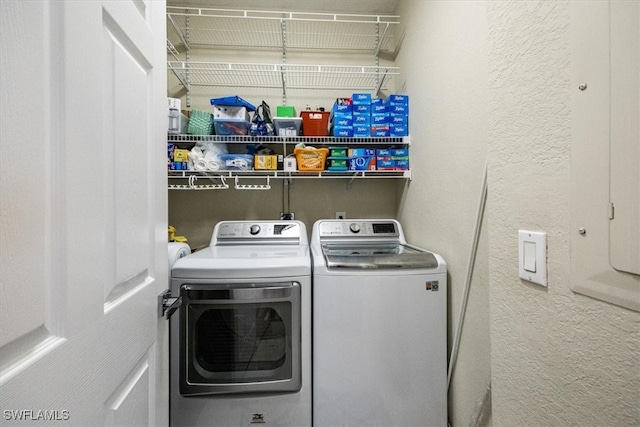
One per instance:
(278, 29)
(309, 140)
(341, 77)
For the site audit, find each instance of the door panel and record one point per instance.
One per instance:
(79, 334)
(625, 136)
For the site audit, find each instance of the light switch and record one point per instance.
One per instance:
(532, 256)
(529, 256)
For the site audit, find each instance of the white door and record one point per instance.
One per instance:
(82, 212)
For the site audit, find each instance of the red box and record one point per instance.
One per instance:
(315, 123)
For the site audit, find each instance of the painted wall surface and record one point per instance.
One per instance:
(557, 358)
(194, 213)
(444, 63)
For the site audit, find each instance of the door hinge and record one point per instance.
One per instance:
(611, 211)
(167, 305)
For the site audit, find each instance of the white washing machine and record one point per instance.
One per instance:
(379, 327)
(240, 343)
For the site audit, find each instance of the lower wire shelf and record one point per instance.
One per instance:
(220, 179)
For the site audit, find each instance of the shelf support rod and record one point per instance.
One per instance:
(283, 32)
(175, 27)
(380, 39)
(381, 80)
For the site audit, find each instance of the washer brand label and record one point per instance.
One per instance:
(257, 419)
(432, 286)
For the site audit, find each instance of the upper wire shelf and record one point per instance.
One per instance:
(278, 29)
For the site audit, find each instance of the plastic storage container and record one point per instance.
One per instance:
(227, 112)
(240, 162)
(287, 126)
(310, 159)
(315, 123)
(231, 127)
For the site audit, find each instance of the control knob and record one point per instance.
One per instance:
(354, 227)
(254, 229)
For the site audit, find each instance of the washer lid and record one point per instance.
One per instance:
(244, 262)
(380, 255)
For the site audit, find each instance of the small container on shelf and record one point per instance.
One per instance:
(315, 123)
(239, 162)
(337, 163)
(310, 159)
(285, 111)
(338, 151)
(265, 162)
(287, 126)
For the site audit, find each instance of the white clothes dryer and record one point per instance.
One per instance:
(240, 343)
(380, 327)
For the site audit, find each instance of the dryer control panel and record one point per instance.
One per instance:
(229, 232)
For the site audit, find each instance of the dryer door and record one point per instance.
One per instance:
(240, 338)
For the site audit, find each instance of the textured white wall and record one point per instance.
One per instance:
(557, 358)
(444, 63)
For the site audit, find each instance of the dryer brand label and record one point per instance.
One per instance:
(432, 286)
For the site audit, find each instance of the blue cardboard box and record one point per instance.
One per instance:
(380, 131)
(362, 109)
(342, 108)
(385, 165)
(399, 120)
(379, 108)
(343, 120)
(362, 131)
(397, 130)
(398, 99)
(379, 119)
(343, 131)
(361, 152)
(399, 109)
(362, 163)
(361, 99)
(361, 119)
(398, 152)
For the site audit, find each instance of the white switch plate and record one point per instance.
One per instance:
(532, 254)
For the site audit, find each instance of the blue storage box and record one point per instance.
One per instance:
(233, 101)
(232, 127)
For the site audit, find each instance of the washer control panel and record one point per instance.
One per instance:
(358, 228)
